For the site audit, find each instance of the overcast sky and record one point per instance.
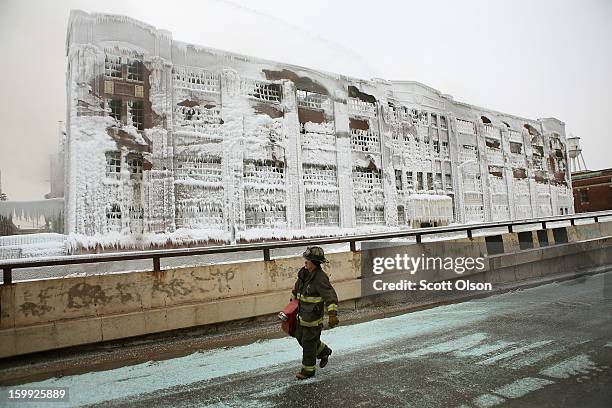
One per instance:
(528, 58)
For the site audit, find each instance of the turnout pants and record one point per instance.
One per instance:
(312, 346)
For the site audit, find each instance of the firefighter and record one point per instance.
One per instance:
(313, 290)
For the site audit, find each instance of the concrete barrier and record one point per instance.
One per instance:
(55, 313)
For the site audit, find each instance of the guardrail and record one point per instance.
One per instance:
(156, 255)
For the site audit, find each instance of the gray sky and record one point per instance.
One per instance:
(528, 58)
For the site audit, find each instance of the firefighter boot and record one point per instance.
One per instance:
(324, 356)
(302, 375)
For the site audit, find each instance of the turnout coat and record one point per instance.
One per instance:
(314, 291)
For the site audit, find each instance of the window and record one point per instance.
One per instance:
(584, 196)
(137, 114)
(448, 182)
(115, 106)
(113, 212)
(322, 215)
(409, 180)
(420, 181)
(434, 120)
(436, 146)
(516, 148)
(443, 125)
(430, 185)
(398, 180)
(113, 164)
(135, 71)
(134, 162)
(112, 66)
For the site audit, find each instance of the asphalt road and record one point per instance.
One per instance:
(549, 346)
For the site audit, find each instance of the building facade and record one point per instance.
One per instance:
(592, 190)
(179, 140)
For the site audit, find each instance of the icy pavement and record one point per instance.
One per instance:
(543, 347)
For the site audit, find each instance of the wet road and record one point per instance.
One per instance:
(549, 346)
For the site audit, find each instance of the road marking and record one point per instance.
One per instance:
(484, 349)
(522, 387)
(580, 364)
(461, 343)
(514, 352)
(532, 359)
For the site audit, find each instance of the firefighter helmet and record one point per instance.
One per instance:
(315, 254)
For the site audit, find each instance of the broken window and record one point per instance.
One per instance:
(113, 164)
(137, 114)
(516, 148)
(266, 92)
(312, 100)
(112, 66)
(398, 180)
(115, 106)
(134, 162)
(584, 196)
(496, 171)
(365, 140)
(485, 119)
(538, 151)
(492, 143)
(135, 71)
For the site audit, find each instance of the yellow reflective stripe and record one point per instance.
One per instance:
(310, 299)
(310, 324)
(333, 306)
(308, 368)
(320, 348)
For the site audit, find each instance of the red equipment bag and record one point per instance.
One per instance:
(288, 317)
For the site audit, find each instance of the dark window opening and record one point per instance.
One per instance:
(525, 240)
(137, 114)
(584, 196)
(519, 173)
(115, 106)
(113, 212)
(543, 238)
(113, 163)
(135, 71)
(135, 164)
(492, 143)
(560, 235)
(485, 120)
(495, 244)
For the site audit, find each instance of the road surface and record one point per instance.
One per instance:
(549, 346)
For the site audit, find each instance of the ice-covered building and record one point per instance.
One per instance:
(173, 141)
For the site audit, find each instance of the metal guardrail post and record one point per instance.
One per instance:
(266, 254)
(510, 230)
(7, 276)
(596, 219)
(469, 233)
(543, 224)
(156, 267)
(418, 238)
(353, 246)
(572, 222)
